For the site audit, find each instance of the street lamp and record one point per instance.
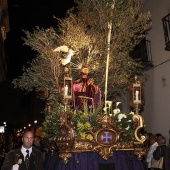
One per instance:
(4, 123)
(35, 126)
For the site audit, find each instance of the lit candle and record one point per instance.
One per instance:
(137, 95)
(66, 90)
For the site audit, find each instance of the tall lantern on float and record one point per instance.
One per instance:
(65, 88)
(136, 95)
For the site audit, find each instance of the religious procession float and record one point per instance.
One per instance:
(82, 70)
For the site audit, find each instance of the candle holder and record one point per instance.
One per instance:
(65, 87)
(136, 95)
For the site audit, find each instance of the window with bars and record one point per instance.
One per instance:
(143, 53)
(166, 29)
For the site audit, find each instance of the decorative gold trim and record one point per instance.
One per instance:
(82, 145)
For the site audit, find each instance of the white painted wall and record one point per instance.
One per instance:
(157, 93)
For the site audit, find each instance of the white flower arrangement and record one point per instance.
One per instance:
(124, 121)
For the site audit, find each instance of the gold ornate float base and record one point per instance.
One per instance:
(105, 140)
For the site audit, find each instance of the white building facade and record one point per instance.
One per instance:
(157, 89)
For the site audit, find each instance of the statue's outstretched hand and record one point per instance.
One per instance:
(90, 81)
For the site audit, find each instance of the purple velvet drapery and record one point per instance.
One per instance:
(125, 160)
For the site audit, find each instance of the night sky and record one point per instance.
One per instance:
(27, 15)
(15, 105)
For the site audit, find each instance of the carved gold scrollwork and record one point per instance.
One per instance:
(104, 140)
(65, 157)
(82, 145)
(139, 152)
(65, 140)
(105, 152)
(106, 137)
(138, 120)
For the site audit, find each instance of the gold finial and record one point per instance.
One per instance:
(136, 77)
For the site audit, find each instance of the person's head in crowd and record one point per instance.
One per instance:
(37, 141)
(158, 134)
(152, 139)
(27, 139)
(148, 135)
(161, 140)
(147, 143)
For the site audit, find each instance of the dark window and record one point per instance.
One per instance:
(143, 53)
(166, 29)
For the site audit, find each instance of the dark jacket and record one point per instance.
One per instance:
(160, 152)
(167, 158)
(12, 157)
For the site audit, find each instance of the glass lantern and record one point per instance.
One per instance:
(136, 93)
(65, 89)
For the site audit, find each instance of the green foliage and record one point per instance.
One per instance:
(85, 120)
(45, 69)
(86, 32)
(50, 125)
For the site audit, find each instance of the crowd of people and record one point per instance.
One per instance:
(156, 150)
(13, 152)
(41, 151)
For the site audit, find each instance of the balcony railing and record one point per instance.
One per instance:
(166, 29)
